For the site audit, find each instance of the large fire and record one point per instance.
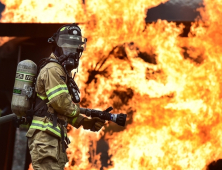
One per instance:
(170, 87)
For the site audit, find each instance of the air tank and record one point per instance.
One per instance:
(23, 87)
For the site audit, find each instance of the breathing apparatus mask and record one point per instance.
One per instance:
(68, 45)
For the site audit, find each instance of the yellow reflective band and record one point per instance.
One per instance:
(45, 128)
(63, 28)
(36, 124)
(41, 97)
(74, 120)
(58, 93)
(40, 125)
(43, 123)
(55, 88)
(55, 91)
(73, 113)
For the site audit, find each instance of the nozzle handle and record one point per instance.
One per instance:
(119, 119)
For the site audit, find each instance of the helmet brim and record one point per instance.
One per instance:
(71, 41)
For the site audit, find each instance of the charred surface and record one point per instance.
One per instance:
(147, 57)
(97, 70)
(121, 97)
(215, 165)
(84, 102)
(120, 53)
(199, 59)
(102, 148)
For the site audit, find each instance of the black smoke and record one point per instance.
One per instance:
(2, 7)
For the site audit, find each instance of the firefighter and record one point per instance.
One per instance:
(54, 106)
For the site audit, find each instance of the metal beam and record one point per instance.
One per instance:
(29, 29)
(40, 30)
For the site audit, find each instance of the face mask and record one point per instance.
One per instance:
(72, 58)
(72, 61)
(68, 50)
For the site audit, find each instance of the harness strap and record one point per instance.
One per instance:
(41, 111)
(40, 103)
(63, 140)
(54, 118)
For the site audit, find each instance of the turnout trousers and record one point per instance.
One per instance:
(46, 151)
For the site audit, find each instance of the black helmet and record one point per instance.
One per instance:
(69, 39)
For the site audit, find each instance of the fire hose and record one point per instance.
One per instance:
(119, 119)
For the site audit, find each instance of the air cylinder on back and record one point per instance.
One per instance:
(23, 87)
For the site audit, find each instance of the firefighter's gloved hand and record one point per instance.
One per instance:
(94, 124)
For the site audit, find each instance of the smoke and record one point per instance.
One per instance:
(2, 7)
(191, 3)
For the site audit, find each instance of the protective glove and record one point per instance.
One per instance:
(94, 124)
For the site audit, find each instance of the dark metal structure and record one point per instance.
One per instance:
(34, 30)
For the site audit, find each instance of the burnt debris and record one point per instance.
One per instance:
(121, 97)
(149, 58)
(84, 102)
(215, 165)
(120, 53)
(198, 60)
(97, 70)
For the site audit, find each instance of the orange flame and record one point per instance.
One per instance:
(173, 106)
(4, 40)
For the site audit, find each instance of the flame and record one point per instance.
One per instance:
(172, 101)
(3, 40)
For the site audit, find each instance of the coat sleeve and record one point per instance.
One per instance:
(58, 94)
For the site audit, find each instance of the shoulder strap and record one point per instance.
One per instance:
(45, 61)
(54, 60)
(42, 63)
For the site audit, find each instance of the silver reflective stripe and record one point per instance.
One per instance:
(42, 126)
(114, 117)
(57, 90)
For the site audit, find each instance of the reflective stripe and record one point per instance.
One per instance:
(56, 87)
(56, 91)
(74, 111)
(41, 97)
(36, 124)
(74, 120)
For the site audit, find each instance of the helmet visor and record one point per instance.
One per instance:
(71, 41)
